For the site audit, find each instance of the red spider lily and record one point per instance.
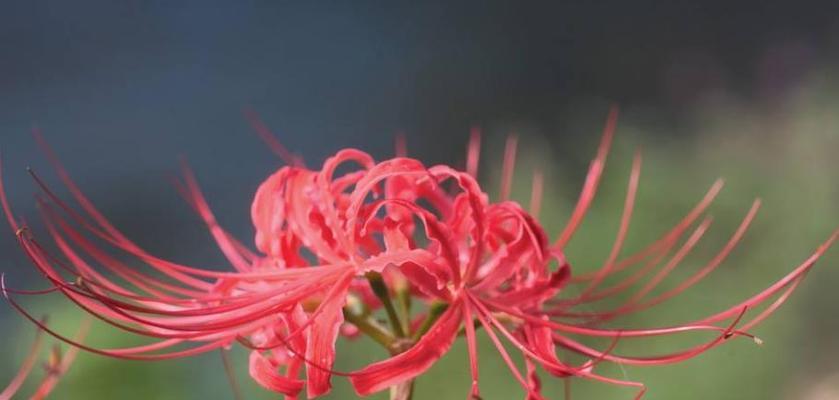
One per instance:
(333, 247)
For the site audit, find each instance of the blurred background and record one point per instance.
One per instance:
(742, 90)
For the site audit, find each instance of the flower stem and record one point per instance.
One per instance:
(231, 377)
(402, 391)
(403, 299)
(370, 327)
(434, 312)
(377, 283)
(400, 337)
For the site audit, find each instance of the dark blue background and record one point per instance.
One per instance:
(121, 89)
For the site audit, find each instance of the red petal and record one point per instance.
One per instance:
(320, 348)
(414, 361)
(265, 374)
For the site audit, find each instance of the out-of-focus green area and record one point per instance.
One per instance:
(785, 153)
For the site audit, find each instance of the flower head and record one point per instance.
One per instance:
(340, 245)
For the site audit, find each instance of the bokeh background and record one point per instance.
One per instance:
(742, 90)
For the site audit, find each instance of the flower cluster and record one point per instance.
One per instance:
(343, 246)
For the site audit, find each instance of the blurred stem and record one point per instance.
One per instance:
(435, 310)
(231, 377)
(403, 298)
(369, 327)
(377, 283)
(402, 391)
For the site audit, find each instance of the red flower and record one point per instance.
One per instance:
(338, 243)
(505, 283)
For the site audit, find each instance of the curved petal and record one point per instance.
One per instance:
(265, 374)
(320, 347)
(414, 361)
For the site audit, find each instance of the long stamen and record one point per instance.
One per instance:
(508, 167)
(30, 360)
(503, 352)
(667, 239)
(629, 205)
(473, 153)
(49, 382)
(592, 180)
(400, 145)
(472, 347)
(269, 138)
(536, 194)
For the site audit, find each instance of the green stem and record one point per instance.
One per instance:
(400, 338)
(369, 327)
(231, 376)
(377, 283)
(403, 298)
(436, 309)
(402, 391)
